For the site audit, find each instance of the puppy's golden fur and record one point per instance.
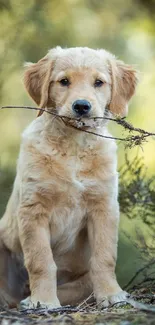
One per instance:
(61, 221)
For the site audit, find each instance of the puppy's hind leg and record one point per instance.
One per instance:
(13, 277)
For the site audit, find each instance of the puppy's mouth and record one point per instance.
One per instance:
(82, 122)
(87, 123)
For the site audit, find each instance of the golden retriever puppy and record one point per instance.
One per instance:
(60, 227)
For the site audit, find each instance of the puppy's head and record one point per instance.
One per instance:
(81, 83)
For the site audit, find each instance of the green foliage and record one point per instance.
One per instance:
(137, 202)
(137, 191)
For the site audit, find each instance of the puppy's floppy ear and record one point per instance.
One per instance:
(37, 81)
(124, 81)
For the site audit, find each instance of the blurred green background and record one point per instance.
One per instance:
(28, 29)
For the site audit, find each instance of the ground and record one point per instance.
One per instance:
(140, 311)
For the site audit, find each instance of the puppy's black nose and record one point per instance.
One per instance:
(81, 107)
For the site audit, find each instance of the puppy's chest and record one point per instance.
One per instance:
(78, 179)
(78, 166)
(82, 171)
(83, 166)
(68, 216)
(77, 169)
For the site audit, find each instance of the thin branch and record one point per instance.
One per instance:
(44, 311)
(135, 304)
(97, 134)
(132, 140)
(138, 272)
(141, 306)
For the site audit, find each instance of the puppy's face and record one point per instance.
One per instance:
(79, 88)
(81, 83)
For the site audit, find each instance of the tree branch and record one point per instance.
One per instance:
(131, 140)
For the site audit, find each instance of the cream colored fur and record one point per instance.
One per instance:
(61, 220)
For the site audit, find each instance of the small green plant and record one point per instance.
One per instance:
(137, 191)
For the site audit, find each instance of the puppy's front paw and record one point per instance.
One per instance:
(30, 303)
(119, 297)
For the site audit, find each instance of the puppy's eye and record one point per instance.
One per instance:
(64, 82)
(98, 83)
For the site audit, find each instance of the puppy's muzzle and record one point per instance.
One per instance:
(81, 107)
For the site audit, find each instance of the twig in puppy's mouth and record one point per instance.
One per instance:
(131, 140)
